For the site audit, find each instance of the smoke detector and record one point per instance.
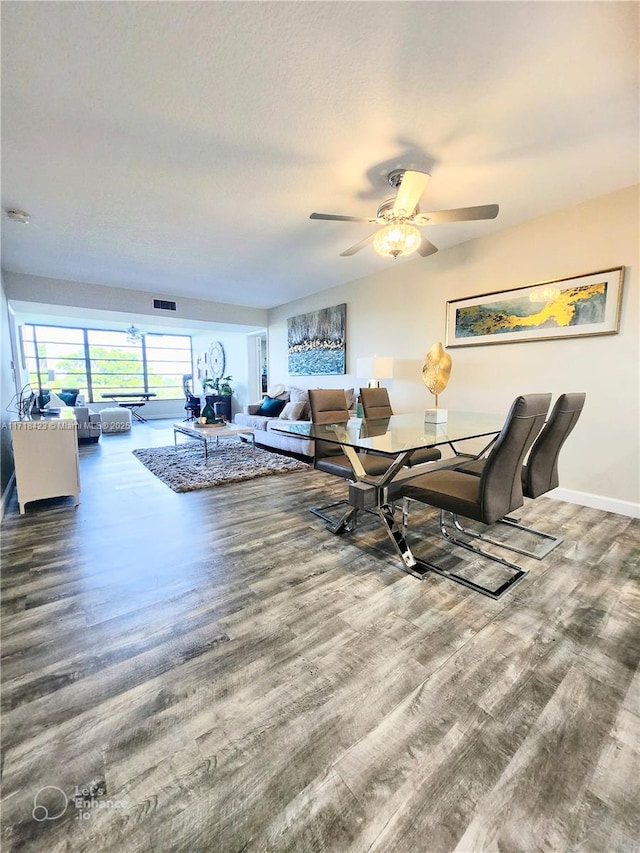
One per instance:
(19, 216)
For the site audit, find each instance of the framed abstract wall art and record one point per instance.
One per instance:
(316, 342)
(565, 308)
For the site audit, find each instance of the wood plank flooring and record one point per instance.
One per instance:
(232, 677)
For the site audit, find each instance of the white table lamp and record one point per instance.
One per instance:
(374, 369)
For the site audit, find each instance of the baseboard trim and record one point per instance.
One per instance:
(596, 502)
(6, 495)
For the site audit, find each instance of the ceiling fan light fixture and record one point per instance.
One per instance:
(134, 336)
(398, 238)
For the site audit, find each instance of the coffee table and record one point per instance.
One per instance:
(203, 432)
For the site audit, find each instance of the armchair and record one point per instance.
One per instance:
(89, 425)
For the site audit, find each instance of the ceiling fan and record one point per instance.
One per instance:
(399, 217)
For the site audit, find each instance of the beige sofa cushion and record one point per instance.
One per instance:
(257, 422)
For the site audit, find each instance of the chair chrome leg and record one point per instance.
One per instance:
(347, 521)
(553, 543)
(425, 565)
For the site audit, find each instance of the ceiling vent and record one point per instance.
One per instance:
(164, 304)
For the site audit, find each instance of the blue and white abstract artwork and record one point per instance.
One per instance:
(316, 342)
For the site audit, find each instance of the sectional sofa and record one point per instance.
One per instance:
(89, 427)
(295, 408)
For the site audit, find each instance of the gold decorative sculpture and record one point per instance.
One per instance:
(435, 375)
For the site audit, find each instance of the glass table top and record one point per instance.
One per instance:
(399, 433)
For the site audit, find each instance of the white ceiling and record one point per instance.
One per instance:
(179, 148)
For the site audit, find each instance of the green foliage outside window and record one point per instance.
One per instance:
(113, 368)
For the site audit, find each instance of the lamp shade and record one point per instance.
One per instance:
(376, 367)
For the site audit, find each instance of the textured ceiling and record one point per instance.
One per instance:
(179, 148)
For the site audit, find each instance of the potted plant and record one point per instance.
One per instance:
(218, 386)
(224, 388)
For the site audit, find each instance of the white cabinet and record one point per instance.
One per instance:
(45, 454)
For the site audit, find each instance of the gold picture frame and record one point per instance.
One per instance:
(563, 308)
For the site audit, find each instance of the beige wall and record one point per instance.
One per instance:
(400, 312)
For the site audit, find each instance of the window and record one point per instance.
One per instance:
(116, 365)
(168, 358)
(55, 358)
(102, 361)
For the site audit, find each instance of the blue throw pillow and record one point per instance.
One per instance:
(69, 397)
(271, 407)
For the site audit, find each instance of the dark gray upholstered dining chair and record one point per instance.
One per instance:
(489, 497)
(192, 404)
(329, 406)
(540, 472)
(376, 404)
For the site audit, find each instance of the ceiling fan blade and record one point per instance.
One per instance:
(410, 192)
(462, 214)
(338, 217)
(426, 248)
(353, 249)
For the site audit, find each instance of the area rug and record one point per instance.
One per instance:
(185, 469)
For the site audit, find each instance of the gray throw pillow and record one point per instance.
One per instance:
(300, 395)
(293, 411)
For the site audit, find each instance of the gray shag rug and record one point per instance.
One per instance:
(185, 470)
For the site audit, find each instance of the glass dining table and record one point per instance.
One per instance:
(396, 437)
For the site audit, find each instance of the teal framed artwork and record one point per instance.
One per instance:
(563, 308)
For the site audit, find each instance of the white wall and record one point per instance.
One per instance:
(236, 363)
(400, 312)
(82, 295)
(7, 396)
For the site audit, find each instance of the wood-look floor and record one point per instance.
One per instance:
(239, 679)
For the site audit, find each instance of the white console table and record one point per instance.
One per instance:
(45, 453)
